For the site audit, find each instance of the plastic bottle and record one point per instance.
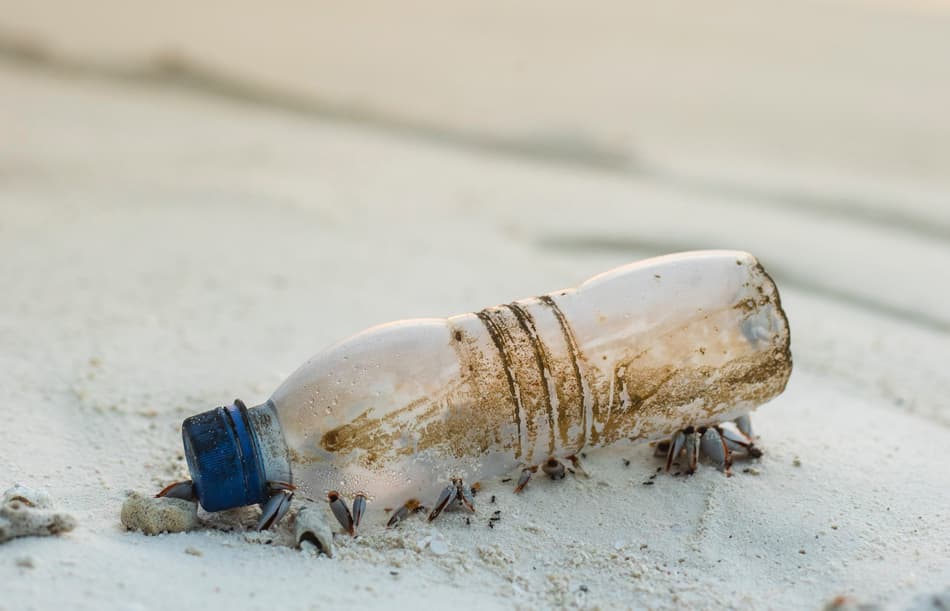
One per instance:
(398, 410)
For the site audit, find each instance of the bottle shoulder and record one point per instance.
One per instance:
(367, 373)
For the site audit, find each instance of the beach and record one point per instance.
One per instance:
(168, 244)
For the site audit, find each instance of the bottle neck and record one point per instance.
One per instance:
(233, 453)
(273, 452)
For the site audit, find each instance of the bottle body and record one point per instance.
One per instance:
(639, 352)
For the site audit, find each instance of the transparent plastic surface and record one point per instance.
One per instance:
(639, 352)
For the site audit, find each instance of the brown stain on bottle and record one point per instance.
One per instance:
(542, 359)
(576, 360)
(500, 395)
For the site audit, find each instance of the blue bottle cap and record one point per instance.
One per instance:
(223, 458)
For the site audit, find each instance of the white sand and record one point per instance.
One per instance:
(162, 253)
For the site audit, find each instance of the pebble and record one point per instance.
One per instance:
(25, 562)
(438, 546)
(152, 515)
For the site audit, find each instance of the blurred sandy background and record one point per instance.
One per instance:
(194, 197)
(854, 87)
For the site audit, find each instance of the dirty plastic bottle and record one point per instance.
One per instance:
(398, 410)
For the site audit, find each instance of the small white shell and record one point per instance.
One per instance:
(311, 529)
